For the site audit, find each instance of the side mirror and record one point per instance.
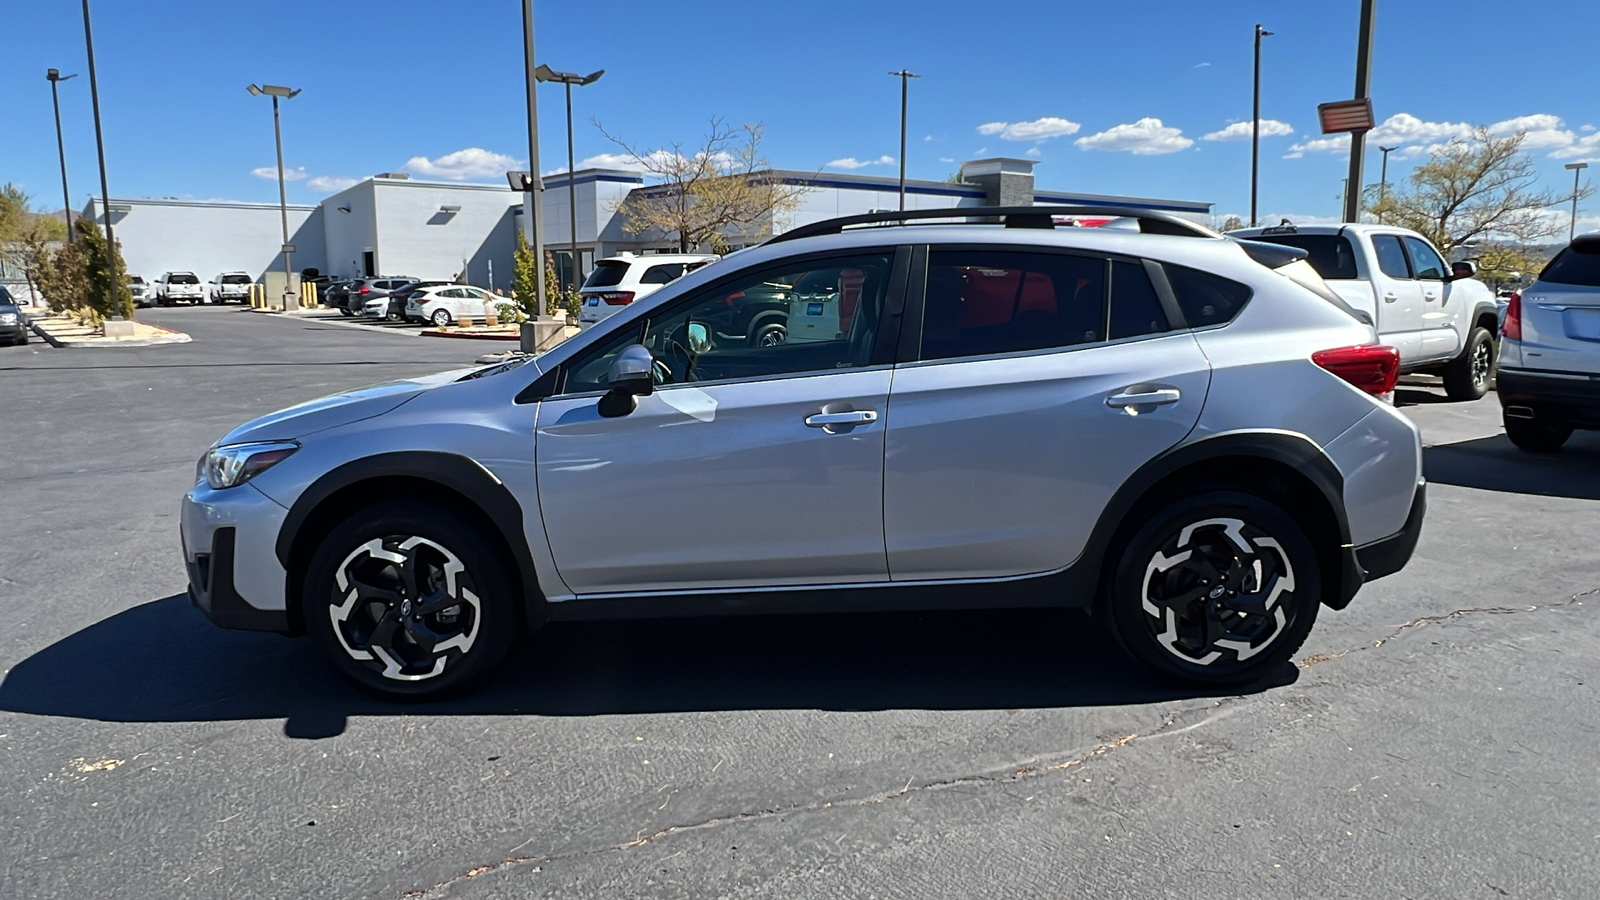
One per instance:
(699, 338)
(631, 375)
(1463, 269)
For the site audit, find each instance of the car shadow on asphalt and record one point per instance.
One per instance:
(162, 662)
(1495, 464)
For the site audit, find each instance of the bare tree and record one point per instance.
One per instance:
(718, 189)
(1473, 189)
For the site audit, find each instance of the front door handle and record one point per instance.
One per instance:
(1390, 297)
(1429, 295)
(835, 420)
(1157, 397)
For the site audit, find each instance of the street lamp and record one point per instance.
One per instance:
(545, 73)
(1255, 126)
(100, 149)
(905, 76)
(1577, 170)
(1383, 178)
(276, 91)
(55, 77)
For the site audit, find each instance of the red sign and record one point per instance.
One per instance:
(1345, 115)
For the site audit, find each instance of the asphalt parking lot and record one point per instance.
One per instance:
(1437, 739)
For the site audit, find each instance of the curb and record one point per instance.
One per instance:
(171, 337)
(433, 332)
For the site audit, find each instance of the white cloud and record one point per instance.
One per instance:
(1543, 131)
(1038, 130)
(1586, 146)
(1239, 131)
(1586, 129)
(1276, 218)
(1200, 65)
(1146, 137)
(1404, 128)
(947, 159)
(472, 162)
(1033, 153)
(850, 162)
(927, 137)
(271, 173)
(331, 184)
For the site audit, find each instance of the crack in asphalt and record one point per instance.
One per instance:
(1009, 774)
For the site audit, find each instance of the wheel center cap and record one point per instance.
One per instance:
(1217, 592)
(405, 607)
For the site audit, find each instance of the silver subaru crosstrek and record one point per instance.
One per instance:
(1185, 434)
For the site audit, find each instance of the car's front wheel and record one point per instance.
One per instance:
(1467, 376)
(1216, 588)
(411, 600)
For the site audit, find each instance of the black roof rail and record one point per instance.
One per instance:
(1150, 221)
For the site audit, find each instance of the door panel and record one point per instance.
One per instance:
(718, 486)
(1399, 298)
(1001, 466)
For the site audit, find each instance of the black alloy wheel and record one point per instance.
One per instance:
(1467, 376)
(1217, 588)
(411, 601)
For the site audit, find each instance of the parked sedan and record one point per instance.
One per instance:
(13, 321)
(399, 297)
(445, 305)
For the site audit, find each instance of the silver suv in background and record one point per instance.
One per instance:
(1180, 432)
(1549, 378)
(621, 280)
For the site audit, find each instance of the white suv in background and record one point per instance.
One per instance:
(620, 280)
(174, 286)
(231, 286)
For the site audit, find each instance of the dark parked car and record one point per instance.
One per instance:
(358, 292)
(13, 321)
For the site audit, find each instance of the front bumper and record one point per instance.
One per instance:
(234, 574)
(1572, 397)
(15, 331)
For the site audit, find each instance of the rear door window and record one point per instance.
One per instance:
(1135, 307)
(1579, 264)
(1391, 258)
(607, 273)
(982, 302)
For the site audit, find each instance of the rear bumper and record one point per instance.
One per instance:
(1570, 396)
(1381, 558)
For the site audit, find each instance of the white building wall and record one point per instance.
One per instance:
(417, 236)
(350, 220)
(209, 238)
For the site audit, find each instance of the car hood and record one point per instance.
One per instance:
(338, 409)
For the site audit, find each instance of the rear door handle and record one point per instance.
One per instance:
(833, 420)
(1157, 397)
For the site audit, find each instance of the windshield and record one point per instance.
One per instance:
(607, 272)
(1331, 254)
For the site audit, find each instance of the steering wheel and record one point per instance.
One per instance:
(659, 373)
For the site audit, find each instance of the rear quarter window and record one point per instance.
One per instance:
(1578, 264)
(1206, 299)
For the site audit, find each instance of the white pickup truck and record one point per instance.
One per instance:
(1438, 316)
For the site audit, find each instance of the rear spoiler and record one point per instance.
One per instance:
(1273, 256)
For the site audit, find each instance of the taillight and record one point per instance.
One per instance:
(1373, 368)
(365, 291)
(1512, 326)
(617, 298)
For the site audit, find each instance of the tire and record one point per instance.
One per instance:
(372, 625)
(1172, 595)
(392, 316)
(1537, 435)
(345, 311)
(441, 317)
(1467, 376)
(768, 334)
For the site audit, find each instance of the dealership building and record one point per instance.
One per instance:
(392, 224)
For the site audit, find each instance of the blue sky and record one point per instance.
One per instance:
(1109, 98)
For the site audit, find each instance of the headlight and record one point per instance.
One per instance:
(8, 318)
(234, 464)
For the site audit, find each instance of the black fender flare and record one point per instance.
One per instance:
(1293, 450)
(459, 474)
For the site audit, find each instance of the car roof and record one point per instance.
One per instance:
(658, 258)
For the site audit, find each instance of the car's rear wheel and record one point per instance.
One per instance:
(1215, 588)
(769, 334)
(1536, 435)
(1467, 376)
(441, 317)
(345, 311)
(411, 600)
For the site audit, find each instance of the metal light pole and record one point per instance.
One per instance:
(1383, 176)
(1577, 171)
(55, 77)
(545, 73)
(1358, 139)
(1255, 126)
(905, 76)
(275, 91)
(100, 149)
(535, 184)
